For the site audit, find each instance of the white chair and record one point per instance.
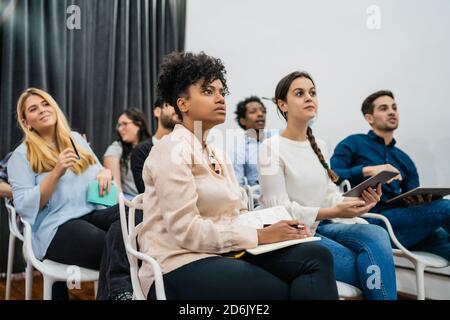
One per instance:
(14, 232)
(54, 271)
(419, 259)
(250, 192)
(348, 292)
(129, 233)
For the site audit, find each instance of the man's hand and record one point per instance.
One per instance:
(371, 171)
(417, 200)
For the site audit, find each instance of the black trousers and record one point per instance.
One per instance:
(300, 272)
(114, 276)
(81, 242)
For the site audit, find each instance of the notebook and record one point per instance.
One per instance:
(109, 199)
(260, 218)
(263, 248)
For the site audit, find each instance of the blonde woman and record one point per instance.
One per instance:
(49, 177)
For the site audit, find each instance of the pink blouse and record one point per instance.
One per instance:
(189, 208)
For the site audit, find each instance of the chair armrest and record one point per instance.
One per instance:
(401, 249)
(159, 283)
(345, 186)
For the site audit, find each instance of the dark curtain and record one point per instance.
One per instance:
(107, 65)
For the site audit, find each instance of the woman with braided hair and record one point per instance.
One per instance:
(294, 173)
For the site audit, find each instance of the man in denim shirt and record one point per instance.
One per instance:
(250, 116)
(418, 223)
(5, 188)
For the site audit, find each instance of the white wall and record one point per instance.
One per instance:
(260, 41)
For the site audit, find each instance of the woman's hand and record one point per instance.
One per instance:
(66, 159)
(372, 196)
(104, 181)
(283, 230)
(350, 208)
(353, 207)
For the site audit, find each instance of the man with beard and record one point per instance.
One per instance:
(167, 119)
(419, 223)
(114, 279)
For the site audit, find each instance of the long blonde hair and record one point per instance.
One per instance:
(41, 154)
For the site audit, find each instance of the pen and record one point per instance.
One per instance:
(74, 148)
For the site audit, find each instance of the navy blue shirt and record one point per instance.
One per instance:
(362, 150)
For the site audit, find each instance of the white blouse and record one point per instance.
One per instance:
(291, 175)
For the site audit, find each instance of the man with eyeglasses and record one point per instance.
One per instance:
(115, 268)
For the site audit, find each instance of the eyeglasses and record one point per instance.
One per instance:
(123, 124)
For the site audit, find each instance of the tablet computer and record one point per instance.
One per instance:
(380, 178)
(436, 193)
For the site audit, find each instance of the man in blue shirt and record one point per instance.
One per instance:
(250, 116)
(418, 223)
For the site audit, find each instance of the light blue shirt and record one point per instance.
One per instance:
(68, 200)
(244, 157)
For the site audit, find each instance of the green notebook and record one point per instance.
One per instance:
(108, 199)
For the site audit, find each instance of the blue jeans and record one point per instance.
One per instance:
(423, 227)
(362, 257)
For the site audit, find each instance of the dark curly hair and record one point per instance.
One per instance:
(242, 108)
(179, 70)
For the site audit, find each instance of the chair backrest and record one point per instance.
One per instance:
(13, 220)
(130, 232)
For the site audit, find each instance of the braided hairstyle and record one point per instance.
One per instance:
(281, 92)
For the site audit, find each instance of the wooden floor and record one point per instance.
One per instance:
(86, 292)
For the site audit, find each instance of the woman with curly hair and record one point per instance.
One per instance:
(192, 201)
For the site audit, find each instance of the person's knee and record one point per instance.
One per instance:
(317, 252)
(374, 236)
(115, 229)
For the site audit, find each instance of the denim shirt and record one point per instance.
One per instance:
(3, 168)
(362, 150)
(68, 200)
(245, 158)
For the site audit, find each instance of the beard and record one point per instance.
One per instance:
(387, 127)
(168, 122)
